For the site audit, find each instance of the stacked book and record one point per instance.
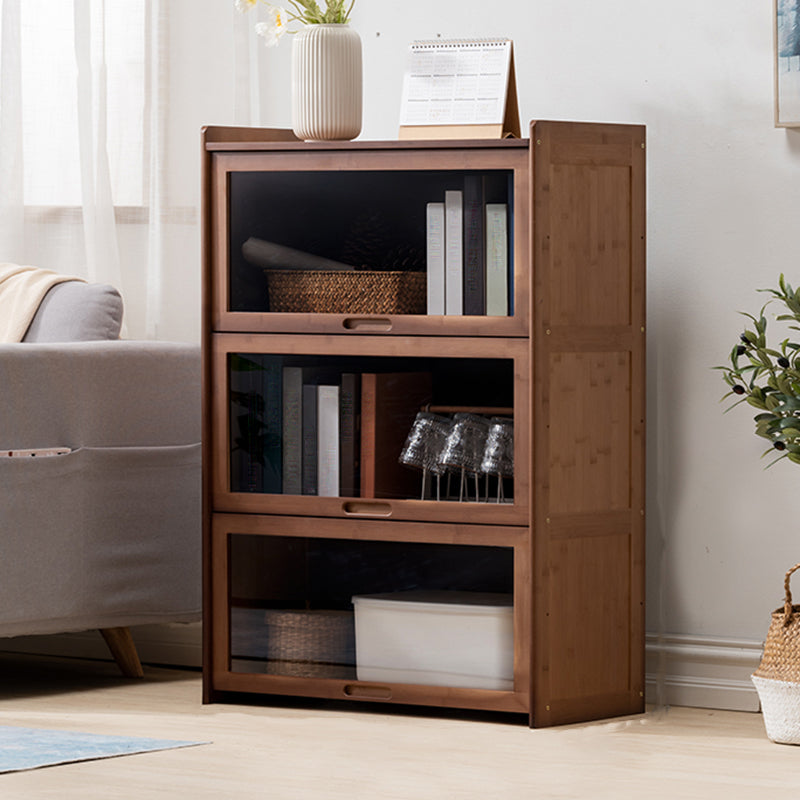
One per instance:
(321, 431)
(469, 257)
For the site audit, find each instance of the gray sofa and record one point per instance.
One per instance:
(107, 535)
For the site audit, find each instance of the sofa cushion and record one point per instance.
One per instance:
(77, 312)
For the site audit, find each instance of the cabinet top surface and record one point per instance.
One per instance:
(218, 139)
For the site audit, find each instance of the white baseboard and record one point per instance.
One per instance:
(682, 670)
(702, 671)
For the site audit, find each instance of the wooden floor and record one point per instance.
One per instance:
(302, 751)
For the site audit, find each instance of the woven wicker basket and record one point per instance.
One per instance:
(346, 291)
(777, 679)
(309, 644)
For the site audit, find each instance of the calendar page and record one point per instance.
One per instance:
(456, 82)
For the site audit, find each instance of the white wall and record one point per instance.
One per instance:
(723, 202)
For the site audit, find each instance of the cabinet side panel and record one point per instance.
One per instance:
(589, 437)
(589, 614)
(590, 268)
(588, 411)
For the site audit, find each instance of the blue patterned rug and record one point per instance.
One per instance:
(29, 748)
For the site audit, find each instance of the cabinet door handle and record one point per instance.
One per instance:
(365, 508)
(367, 691)
(381, 324)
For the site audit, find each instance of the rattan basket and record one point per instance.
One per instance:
(309, 644)
(346, 292)
(777, 679)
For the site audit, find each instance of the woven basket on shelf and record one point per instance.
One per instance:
(777, 679)
(309, 644)
(346, 291)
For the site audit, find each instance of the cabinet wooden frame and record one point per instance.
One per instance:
(488, 513)
(406, 157)
(225, 680)
(578, 344)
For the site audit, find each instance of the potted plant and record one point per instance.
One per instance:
(768, 378)
(326, 66)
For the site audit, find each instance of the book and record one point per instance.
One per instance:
(349, 444)
(294, 378)
(435, 258)
(327, 440)
(389, 404)
(474, 280)
(309, 428)
(496, 259)
(454, 251)
(292, 430)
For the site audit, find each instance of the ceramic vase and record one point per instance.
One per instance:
(326, 83)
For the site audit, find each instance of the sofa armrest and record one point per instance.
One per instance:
(99, 394)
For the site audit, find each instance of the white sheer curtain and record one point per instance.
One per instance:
(101, 105)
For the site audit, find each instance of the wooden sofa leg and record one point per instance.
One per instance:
(123, 648)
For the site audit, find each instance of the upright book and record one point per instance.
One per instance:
(327, 440)
(454, 251)
(389, 403)
(497, 265)
(474, 282)
(435, 250)
(294, 378)
(349, 435)
(309, 437)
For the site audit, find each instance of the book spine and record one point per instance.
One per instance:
(496, 259)
(474, 255)
(309, 439)
(349, 408)
(292, 430)
(435, 258)
(368, 410)
(328, 441)
(272, 433)
(454, 251)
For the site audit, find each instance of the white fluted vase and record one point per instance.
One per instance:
(326, 83)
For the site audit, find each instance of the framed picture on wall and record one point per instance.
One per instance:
(787, 63)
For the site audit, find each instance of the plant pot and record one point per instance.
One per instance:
(326, 83)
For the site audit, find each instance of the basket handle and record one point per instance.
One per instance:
(787, 604)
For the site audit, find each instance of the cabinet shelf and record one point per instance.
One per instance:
(330, 435)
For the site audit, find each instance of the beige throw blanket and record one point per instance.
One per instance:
(21, 291)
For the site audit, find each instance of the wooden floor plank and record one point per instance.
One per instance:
(324, 750)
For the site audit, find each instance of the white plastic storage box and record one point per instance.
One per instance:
(440, 638)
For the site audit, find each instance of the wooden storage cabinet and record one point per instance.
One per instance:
(561, 543)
